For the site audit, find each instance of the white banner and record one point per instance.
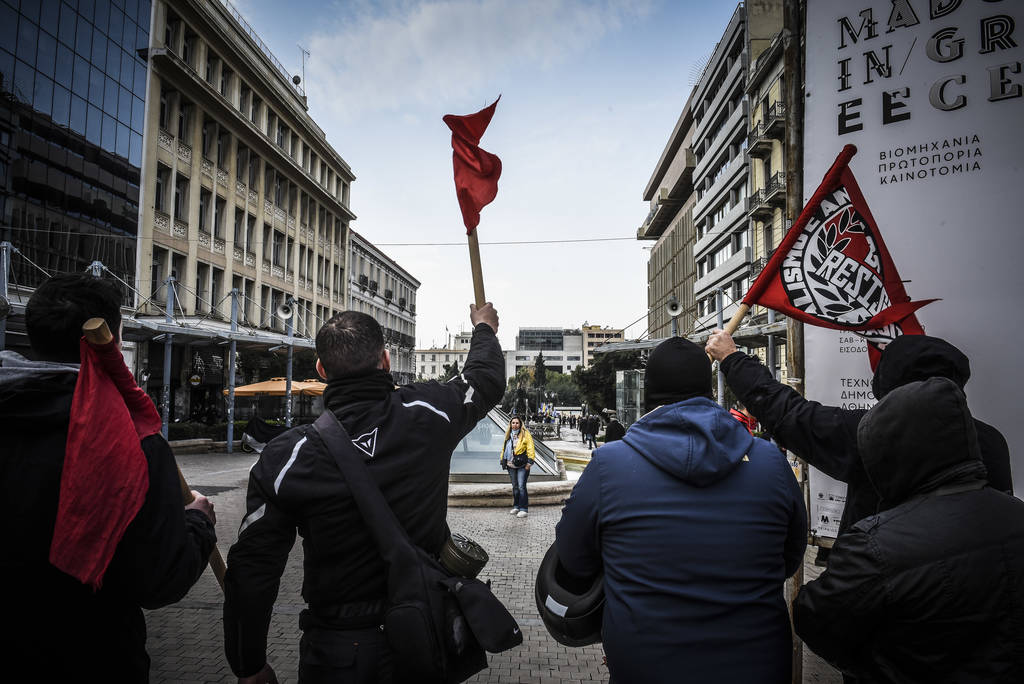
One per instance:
(930, 92)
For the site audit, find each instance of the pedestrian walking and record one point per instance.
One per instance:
(517, 456)
(407, 435)
(931, 587)
(593, 425)
(695, 524)
(614, 430)
(63, 627)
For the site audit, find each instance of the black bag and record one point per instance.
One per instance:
(437, 625)
(518, 460)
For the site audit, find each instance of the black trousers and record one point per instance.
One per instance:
(350, 656)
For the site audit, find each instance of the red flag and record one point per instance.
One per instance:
(105, 475)
(833, 269)
(476, 170)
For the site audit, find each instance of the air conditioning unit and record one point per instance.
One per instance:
(363, 281)
(388, 294)
(373, 286)
(401, 302)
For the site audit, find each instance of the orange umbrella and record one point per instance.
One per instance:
(275, 387)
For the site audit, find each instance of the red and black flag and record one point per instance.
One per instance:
(833, 269)
(476, 170)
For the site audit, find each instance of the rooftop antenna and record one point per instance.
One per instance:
(305, 54)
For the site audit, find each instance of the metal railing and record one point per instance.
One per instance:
(244, 25)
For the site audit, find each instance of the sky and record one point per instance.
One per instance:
(590, 91)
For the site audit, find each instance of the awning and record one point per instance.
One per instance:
(275, 387)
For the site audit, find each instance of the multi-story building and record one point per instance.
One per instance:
(380, 287)
(430, 363)
(72, 102)
(766, 150)
(241, 190)
(720, 110)
(562, 349)
(671, 270)
(595, 336)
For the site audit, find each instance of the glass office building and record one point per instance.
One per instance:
(72, 104)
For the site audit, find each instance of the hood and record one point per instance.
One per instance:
(910, 358)
(34, 394)
(695, 440)
(919, 437)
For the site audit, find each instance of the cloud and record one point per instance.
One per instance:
(386, 57)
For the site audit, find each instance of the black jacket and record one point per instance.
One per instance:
(826, 436)
(408, 434)
(59, 629)
(931, 589)
(614, 431)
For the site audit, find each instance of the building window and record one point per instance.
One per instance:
(188, 49)
(211, 66)
(225, 81)
(160, 196)
(164, 109)
(218, 217)
(184, 115)
(180, 198)
(277, 248)
(204, 207)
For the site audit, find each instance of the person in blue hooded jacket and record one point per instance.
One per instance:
(696, 524)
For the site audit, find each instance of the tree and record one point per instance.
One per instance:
(597, 383)
(540, 373)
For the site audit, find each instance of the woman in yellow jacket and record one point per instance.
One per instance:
(517, 457)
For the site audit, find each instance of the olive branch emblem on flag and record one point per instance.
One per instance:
(833, 269)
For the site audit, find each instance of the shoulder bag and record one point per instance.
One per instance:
(437, 624)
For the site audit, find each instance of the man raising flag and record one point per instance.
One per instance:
(476, 180)
(833, 270)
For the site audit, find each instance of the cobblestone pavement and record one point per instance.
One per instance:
(186, 641)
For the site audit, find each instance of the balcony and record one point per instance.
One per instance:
(726, 181)
(678, 185)
(760, 208)
(775, 189)
(723, 229)
(758, 264)
(722, 273)
(772, 127)
(730, 131)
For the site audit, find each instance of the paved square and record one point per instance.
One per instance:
(186, 640)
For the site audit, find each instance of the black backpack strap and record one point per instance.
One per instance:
(389, 535)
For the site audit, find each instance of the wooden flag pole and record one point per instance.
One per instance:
(737, 317)
(97, 333)
(474, 264)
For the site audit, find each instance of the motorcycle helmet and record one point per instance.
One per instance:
(463, 556)
(571, 608)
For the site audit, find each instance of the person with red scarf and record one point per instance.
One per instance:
(89, 543)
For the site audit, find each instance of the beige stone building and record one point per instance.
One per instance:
(240, 187)
(378, 286)
(595, 336)
(766, 150)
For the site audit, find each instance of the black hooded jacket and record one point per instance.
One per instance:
(408, 435)
(826, 436)
(931, 589)
(58, 628)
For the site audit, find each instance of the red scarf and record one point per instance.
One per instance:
(105, 476)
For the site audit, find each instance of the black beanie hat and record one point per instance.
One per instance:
(677, 369)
